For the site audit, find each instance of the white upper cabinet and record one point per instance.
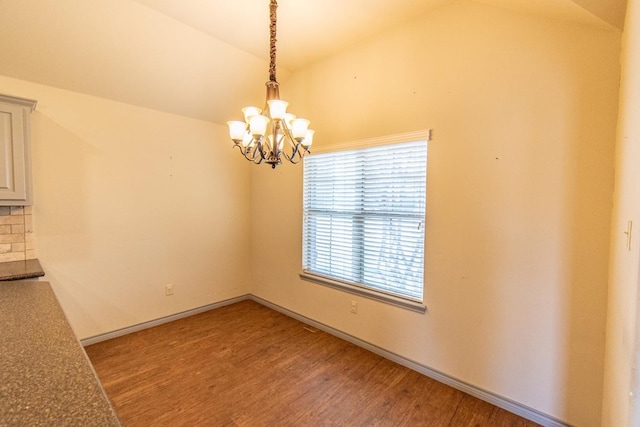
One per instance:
(15, 151)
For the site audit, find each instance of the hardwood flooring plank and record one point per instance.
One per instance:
(247, 365)
(502, 418)
(473, 412)
(410, 404)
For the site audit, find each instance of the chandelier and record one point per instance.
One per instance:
(263, 133)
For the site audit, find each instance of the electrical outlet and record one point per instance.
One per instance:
(168, 289)
(354, 307)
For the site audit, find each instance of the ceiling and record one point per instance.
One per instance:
(302, 25)
(190, 57)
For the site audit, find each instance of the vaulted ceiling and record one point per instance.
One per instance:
(191, 57)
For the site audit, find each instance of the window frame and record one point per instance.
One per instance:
(354, 288)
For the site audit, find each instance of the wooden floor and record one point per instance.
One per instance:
(247, 365)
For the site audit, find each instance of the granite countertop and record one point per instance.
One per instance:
(46, 378)
(16, 270)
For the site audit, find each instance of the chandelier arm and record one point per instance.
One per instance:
(272, 39)
(297, 152)
(250, 153)
(292, 141)
(292, 158)
(244, 151)
(248, 156)
(260, 147)
(253, 156)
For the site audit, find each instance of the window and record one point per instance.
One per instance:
(364, 220)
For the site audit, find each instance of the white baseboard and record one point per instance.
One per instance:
(497, 400)
(150, 324)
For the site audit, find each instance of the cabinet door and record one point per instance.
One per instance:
(14, 184)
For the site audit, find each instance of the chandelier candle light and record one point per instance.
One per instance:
(262, 135)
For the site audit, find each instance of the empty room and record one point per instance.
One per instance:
(319, 212)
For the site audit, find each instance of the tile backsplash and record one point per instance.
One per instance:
(16, 233)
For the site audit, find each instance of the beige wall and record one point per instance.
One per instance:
(127, 200)
(623, 307)
(519, 196)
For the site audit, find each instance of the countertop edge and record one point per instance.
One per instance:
(20, 270)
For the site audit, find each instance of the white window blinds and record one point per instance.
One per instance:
(364, 214)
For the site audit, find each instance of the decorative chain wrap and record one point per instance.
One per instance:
(272, 37)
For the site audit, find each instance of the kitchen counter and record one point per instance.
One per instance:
(46, 378)
(18, 270)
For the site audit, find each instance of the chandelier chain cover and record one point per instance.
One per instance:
(273, 17)
(262, 136)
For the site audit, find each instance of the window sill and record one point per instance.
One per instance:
(364, 292)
